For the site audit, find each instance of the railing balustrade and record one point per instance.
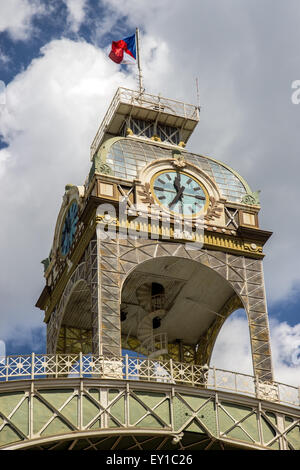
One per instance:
(37, 366)
(145, 100)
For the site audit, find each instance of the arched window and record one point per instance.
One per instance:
(158, 296)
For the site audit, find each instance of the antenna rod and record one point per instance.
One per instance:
(198, 96)
(139, 60)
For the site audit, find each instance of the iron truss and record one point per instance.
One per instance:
(117, 258)
(89, 413)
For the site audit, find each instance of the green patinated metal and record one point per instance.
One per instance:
(99, 164)
(251, 198)
(56, 411)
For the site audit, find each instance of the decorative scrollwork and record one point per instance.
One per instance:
(251, 199)
(104, 168)
(179, 160)
(214, 210)
(145, 192)
(177, 438)
(267, 391)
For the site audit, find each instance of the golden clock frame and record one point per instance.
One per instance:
(176, 214)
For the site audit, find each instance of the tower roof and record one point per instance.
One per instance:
(127, 156)
(145, 107)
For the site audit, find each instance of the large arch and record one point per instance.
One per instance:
(118, 257)
(70, 326)
(196, 302)
(75, 332)
(109, 262)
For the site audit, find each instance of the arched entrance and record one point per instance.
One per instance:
(200, 287)
(174, 307)
(119, 257)
(75, 332)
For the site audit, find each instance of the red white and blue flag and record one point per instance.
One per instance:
(124, 51)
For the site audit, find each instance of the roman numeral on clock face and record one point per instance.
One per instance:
(161, 181)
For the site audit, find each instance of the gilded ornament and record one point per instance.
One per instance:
(147, 197)
(214, 209)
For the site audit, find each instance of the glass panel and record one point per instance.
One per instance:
(126, 157)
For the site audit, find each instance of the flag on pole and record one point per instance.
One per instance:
(127, 45)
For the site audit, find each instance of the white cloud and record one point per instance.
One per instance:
(76, 13)
(247, 120)
(51, 115)
(246, 57)
(285, 341)
(16, 17)
(232, 349)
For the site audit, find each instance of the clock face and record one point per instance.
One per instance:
(69, 228)
(179, 192)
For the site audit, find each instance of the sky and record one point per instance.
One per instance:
(56, 83)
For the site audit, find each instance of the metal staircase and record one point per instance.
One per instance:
(155, 345)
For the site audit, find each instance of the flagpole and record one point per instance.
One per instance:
(141, 87)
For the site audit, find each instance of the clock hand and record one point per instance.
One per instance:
(176, 182)
(177, 197)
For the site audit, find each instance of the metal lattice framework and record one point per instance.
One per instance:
(151, 129)
(55, 322)
(92, 277)
(146, 101)
(74, 340)
(108, 263)
(245, 275)
(74, 412)
(36, 366)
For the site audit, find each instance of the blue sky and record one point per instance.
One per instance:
(46, 27)
(59, 81)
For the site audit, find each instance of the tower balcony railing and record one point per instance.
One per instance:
(147, 101)
(49, 366)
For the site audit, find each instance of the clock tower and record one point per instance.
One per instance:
(151, 213)
(150, 256)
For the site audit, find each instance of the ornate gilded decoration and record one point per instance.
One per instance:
(156, 138)
(146, 194)
(214, 209)
(129, 131)
(251, 198)
(179, 160)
